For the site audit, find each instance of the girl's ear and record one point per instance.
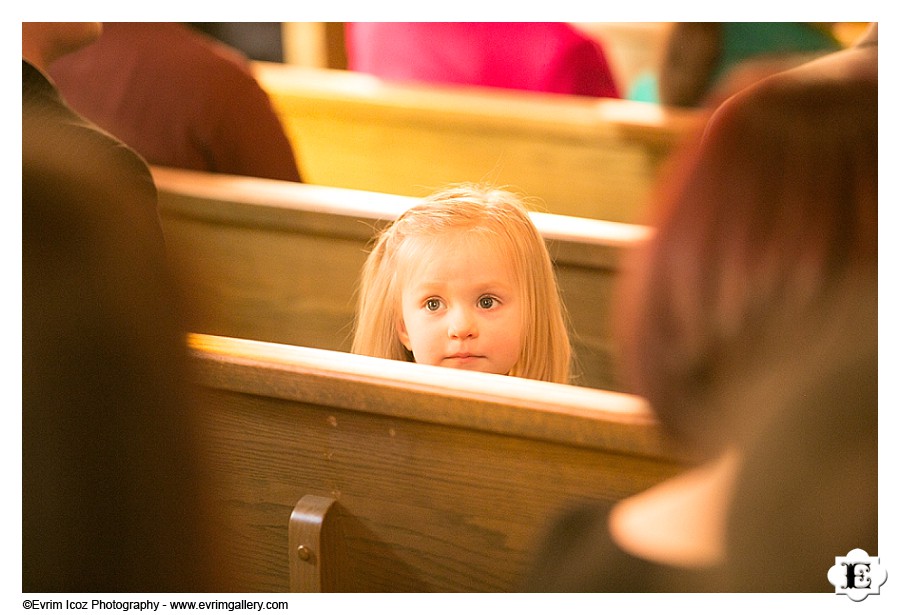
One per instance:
(403, 335)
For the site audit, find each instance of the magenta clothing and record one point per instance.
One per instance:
(543, 57)
(179, 98)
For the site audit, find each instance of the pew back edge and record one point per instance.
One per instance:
(498, 404)
(324, 210)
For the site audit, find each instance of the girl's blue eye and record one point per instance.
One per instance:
(432, 304)
(486, 302)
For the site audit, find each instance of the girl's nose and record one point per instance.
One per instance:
(462, 324)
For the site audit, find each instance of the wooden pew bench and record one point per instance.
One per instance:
(349, 473)
(583, 156)
(280, 261)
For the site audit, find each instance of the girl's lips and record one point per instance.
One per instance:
(463, 358)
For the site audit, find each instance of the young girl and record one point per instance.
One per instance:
(464, 280)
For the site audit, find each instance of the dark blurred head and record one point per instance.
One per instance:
(758, 229)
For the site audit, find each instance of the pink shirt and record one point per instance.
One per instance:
(543, 57)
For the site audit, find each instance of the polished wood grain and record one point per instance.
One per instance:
(313, 548)
(442, 480)
(580, 156)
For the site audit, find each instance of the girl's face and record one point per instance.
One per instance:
(461, 306)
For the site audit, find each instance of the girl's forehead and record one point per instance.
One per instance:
(456, 241)
(418, 252)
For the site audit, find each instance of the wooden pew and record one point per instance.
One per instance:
(348, 473)
(583, 156)
(280, 261)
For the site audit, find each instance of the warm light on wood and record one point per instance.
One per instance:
(582, 156)
(348, 473)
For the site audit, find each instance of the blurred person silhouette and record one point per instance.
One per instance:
(749, 323)
(258, 40)
(704, 62)
(115, 492)
(808, 488)
(542, 57)
(180, 98)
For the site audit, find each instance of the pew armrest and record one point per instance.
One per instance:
(311, 545)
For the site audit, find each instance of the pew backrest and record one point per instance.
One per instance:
(425, 478)
(582, 156)
(280, 261)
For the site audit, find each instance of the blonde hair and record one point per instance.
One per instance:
(498, 215)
